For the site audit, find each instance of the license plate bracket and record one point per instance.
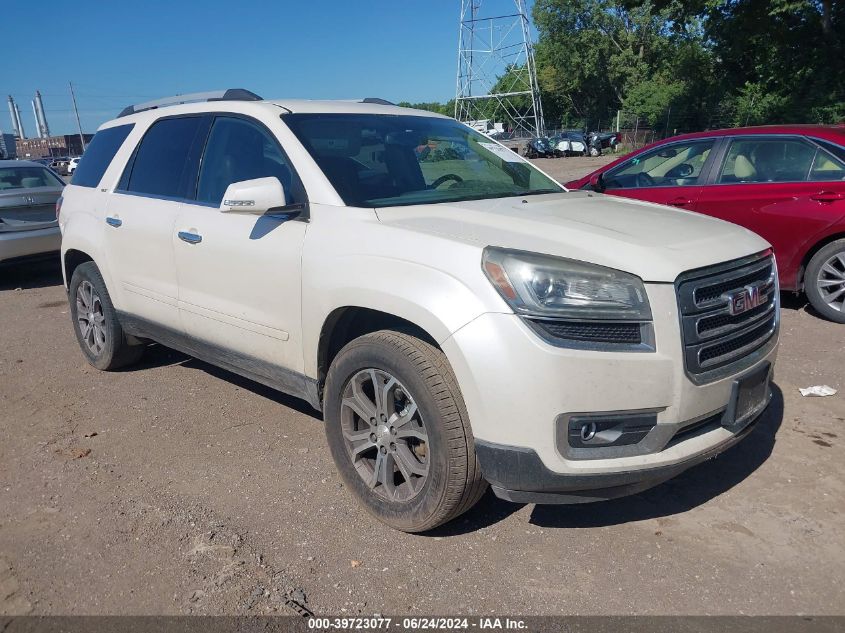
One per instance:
(750, 395)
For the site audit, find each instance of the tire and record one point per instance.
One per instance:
(594, 151)
(824, 281)
(105, 345)
(432, 407)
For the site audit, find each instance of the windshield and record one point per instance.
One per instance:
(27, 178)
(377, 160)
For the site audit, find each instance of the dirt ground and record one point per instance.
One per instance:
(175, 487)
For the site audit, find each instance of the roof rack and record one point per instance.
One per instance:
(232, 94)
(377, 101)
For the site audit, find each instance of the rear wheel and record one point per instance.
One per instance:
(95, 323)
(398, 431)
(824, 281)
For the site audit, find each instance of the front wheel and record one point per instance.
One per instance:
(824, 281)
(398, 431)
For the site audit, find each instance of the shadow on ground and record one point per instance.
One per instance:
(688, 490)
(37, 273)
(160, 356)
(798, 303)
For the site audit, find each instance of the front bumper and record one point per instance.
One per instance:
(15, 244)
(518, 475)
(518, 388)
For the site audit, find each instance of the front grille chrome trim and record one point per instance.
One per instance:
(713, 352)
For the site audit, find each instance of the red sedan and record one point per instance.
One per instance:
(786, 183)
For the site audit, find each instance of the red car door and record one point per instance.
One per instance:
(785, 188)
(668, 174)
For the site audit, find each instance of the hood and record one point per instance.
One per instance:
(654, 242)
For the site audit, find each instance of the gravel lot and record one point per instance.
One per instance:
(175, 487)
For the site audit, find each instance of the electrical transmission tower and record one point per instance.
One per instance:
(497, 76)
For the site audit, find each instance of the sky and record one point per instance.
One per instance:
(120, 53)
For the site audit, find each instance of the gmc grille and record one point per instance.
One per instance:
(728, 312)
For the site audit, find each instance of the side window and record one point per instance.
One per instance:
(240, 150)
(99, 154)
(767, 160)
(675, 165)
(162, 165)
(829, 163)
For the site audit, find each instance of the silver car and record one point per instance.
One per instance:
(28, 195)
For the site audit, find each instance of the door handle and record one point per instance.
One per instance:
(190, 238)
(115, 222)
(828, 196)
(680, 202)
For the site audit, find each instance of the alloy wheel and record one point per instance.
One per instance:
(831, 282)
(385, 435)
(90, 318)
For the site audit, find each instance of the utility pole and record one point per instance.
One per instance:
(497, 77)
(76, 111)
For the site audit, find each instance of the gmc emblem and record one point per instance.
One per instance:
(746, 299)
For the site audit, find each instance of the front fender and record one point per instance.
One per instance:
(435, 301)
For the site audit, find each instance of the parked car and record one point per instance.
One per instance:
(569, 143)
(59, 165)
(28, 195)
(500, 135)
(599, 141)
(72, 164)
(786, 183)
(457, 316)
(539, 147)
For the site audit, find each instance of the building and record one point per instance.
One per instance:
(7, 146)
(64, 145)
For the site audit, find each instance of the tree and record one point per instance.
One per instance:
(696, 64)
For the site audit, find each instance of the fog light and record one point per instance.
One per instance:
(591, 431)
(588, 431)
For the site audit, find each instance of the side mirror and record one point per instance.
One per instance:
(254, 197)
(597, 182)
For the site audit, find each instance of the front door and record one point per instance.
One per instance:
(670, 174)
(239, 275)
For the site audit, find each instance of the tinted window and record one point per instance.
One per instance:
(239, 150)
(374, 160)
(99, 154)
(767, 160)
(829, 163)
(675, 165)
(27, 178)
(162, 165)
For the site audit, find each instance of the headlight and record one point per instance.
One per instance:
(546, 286)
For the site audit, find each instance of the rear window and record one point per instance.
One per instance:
(99, 154)
(161, 166)
(27, 178)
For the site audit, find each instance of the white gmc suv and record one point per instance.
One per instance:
(457, 315)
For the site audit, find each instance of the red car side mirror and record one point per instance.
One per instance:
(597, 182)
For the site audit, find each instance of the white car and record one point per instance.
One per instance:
(457, 316)
(28, 195)
(72, 164)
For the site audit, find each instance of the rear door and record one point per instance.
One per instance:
(782, 187)
(239, 274)
(670, 174)
(141, 216)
